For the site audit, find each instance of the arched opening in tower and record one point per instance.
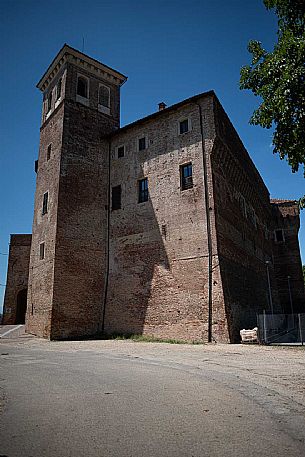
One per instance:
(21, 306)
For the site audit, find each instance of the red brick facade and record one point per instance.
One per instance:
(188, 263)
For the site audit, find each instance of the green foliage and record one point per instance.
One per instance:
(278, 77)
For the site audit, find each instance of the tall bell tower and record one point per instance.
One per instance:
(81, 107)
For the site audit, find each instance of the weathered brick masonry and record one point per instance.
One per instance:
(188, 262)
(287, 262)
(17, 279)
(158, 279)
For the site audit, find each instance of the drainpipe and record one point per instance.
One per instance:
(102, 324)
(208, 227)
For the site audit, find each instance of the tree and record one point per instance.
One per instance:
(278, 77)
(303, 272)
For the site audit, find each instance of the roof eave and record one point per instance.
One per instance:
(66, 49)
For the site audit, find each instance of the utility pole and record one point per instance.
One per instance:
(290, 296)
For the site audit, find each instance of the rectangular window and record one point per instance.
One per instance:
(143, 190)
(41, 251)
(183, 126)
(121, 151)
(45, 203)
(186, 176)
(279, 236)
(116, 197)
(142, 143)
(49, 152)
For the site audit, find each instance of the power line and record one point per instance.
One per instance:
(1, 253)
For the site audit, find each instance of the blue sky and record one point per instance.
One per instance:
(170, 50)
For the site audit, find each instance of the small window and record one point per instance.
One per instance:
(104, 96)
(58, 93)
(143, 190)
(49, 152)
(279, 236)
(251, 215)
(183, 126)
(49, 102)
(116, 197)
(41, 251)
(82, 87)
(266, 233)
(121, 151)
(243, 206)
(186, 176)
(45, 203)
(142, 143)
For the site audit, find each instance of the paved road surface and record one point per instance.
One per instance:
(11, 331)
(125, 399)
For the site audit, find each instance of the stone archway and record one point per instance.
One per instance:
(21, 306)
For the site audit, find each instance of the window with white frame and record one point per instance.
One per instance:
(104, 96)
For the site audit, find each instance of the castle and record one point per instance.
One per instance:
(162, 227)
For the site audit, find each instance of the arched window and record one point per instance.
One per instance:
(49, 105)
(104, 96)
(58, 94)
(82, 87)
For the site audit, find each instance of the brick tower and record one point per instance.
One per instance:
(81, 106)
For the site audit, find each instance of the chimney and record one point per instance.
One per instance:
(162, 106)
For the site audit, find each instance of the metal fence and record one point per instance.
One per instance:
(281, 328)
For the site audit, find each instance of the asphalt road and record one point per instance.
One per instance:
(116, 398)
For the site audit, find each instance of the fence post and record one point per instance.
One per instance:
(300, 329)
(265, 330)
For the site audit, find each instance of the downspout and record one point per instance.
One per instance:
(208, 227)
(102, 325)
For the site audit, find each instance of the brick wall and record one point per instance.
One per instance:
(244, 229)
(80, 251)
(158, 249)
(41, 273)
(17, 275)
(66, 287)
(287, 260)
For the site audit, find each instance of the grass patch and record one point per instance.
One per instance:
(145, 339)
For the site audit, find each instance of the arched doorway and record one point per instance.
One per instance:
(21, 306)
